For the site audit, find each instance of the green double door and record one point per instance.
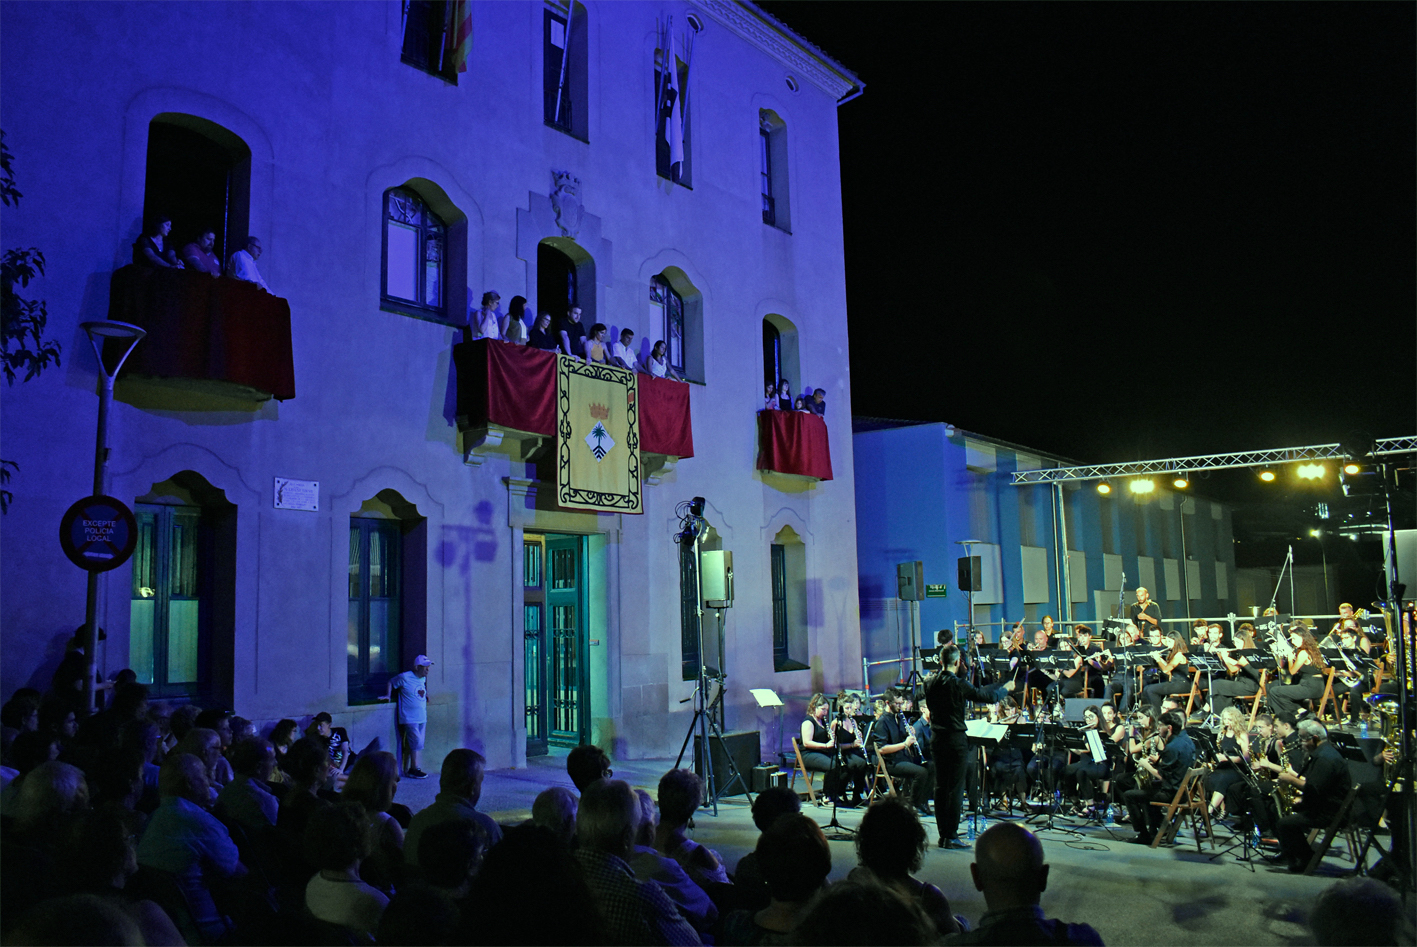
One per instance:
(555, 642)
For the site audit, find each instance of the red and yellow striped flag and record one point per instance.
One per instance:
(459, 34)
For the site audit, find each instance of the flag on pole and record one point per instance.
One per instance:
(674, 124)
(459, 34)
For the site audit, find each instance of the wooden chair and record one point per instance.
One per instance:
(1254, 699)
(1327, 696)
(1195, 691)
(1189, 803)
(881, 774)
(801, 767)
(1340, 823)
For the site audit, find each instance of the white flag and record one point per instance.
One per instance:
(674, 124)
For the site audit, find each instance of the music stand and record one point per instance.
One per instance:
(767, 697)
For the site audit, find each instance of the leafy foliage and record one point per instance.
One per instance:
(23, 347)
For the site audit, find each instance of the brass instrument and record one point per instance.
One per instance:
(1391, 734)
(1280, 647)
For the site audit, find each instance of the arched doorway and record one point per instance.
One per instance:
(200, 174)
(565, 277)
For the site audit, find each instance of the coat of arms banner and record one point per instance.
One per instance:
(597, 437)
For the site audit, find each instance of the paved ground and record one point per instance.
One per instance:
(1131, 894)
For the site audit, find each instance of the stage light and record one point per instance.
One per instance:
(1142, 486)
(1103, 487)
(1180, 483)
(1351, 468)
(1267, 476)
(1311, 471)
(1315, 532)
(696, 506)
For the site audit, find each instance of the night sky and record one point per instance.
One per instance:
(1129, 230)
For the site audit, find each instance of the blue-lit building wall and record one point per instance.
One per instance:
(922, 488)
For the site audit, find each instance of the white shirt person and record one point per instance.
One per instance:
(242, 264)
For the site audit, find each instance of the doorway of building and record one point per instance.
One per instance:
(555, 642)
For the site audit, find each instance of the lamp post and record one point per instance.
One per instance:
(97, 333)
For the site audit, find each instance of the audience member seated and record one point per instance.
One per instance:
(283, 737)
(648, 864)
(752, 888)
(459, 788)
(187, 842)
(541, 336)
(797, 404)
(20, 713)
(795, 861)
(242, 264)
(198, 254)
(52, 795)
(514, 323)
(521, 875)
(1009, 869)
(485, 323)
(681, 792)
(150, 251)
(77, 919)
(307, 763)
(218, 720)
(58, 718)
(246, 800)
(144, 738)
(865, 913)
(31, 748)
(555, 811)
(659, 365)
(205, 745)
(1359, 911)
(103, 730)
(572, 334)
(451, 857)
(322, 728)
(419, 916)
(595, 348)
(336, 841)
(98, 857)
(587, 763)
(622, 354)
(373, 783)
(117, 780)
(181, 720)
(635, 912)
(891, 846)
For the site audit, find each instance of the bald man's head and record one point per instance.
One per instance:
(1009, 866)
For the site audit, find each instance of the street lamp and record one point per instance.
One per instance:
(97, 333)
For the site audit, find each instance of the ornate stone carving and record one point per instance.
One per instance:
(566, 201)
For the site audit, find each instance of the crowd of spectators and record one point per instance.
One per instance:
(135, 827)
(153, 251)
(778, 397)
(521, 325)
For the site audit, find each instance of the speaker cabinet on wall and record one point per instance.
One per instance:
(743, 745)
(910, 581)
(718, 578)
(969, 578)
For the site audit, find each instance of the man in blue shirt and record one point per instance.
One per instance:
(412, 687)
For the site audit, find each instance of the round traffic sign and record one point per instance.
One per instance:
(98, 533)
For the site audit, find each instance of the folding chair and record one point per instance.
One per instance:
(881, 774)
(1189, 803)
(1254, 699)
(801, 767)
(1340, 823)
(1195, 691)
(1328, 695)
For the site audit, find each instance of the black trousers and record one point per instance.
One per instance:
(1223, 692)
(921, 776)
(1285, 698)
(1146, 818)
(952, 755)
(853, 770)
(1155, 692)
(1293, 835)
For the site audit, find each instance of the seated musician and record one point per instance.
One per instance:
(1040, 680)
(1324, 782)
(899, 747)
(1352, 679)
(1241, 679)
(1123, 679)
(1086, 671)
(1304, 667)
(1084, 775)
(1199, 629)
(1142, 739)
(1275, 749)
(1008, 762)
(1234, 748)
(849, 743)
(1168, 770)
(819, 748)
(1174, 667)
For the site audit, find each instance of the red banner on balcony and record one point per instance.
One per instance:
(514, 387)
(794, 442)
(205, 329)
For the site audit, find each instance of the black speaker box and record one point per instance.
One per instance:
(969, 574)
(1074, 706)
(743, 746)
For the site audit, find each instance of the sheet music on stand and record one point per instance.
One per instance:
(985, 731)
(1094, 746)
(1112, 627)
(1271, 625)
(1257, 658)
(1206, 662)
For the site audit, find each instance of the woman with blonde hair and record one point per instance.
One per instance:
(1234, 753)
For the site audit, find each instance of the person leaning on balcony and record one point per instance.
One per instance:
(572, 334)
(242, 264)
(595, 348)
(658, 364)
(541, 336)
(198, 254)
(621, 354)
(150, 249)
(486, 324)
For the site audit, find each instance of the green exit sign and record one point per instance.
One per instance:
(936, 591)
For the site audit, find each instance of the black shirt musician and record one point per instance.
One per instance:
(1087, 668)
(947, 695)
(1168, 769)
(1325, 782)
(898, 745)
(1145, 614)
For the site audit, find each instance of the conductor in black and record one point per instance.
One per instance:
(947, 694)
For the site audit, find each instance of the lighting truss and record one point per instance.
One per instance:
(1385, 447)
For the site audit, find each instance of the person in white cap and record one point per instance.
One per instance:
(412, 712)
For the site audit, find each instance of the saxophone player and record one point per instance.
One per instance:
(1324, 782)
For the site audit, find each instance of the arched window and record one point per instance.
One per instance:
(772, 170)
(415, 246)
(563, 67)
(788, 565)
(780, 360)
(199, 173)
(667, 320)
